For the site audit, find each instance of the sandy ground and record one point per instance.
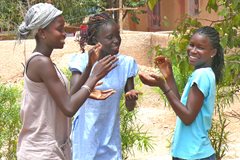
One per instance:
(158, 120)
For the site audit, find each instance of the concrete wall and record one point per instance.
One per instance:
(135, 44)
(12, 56)
(174, 11)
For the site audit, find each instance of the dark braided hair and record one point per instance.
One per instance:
(83, 35)
(218, 59)
(93, 25)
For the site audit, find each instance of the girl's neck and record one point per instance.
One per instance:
(45, 51)
(206, 66)
(102, 55)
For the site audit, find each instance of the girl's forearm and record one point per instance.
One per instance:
(79, 80)
(80, 96)
(181, 111)
(172, 84)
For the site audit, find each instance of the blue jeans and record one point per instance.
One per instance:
(212, 157)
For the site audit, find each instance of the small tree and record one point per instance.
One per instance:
(9, 120)
(132, 133)
(74, 11)
(11, 14)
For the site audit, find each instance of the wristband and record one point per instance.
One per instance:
(87, 88)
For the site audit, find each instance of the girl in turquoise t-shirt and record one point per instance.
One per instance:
(195, 108)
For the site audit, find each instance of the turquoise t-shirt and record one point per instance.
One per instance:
(191, 141)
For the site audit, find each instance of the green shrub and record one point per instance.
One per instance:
(219, 136)
(132, 133)
(9, 120)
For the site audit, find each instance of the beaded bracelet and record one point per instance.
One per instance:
(167, 91)
(86, 87)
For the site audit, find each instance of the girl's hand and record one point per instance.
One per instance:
(132, 95)
(130, 99)
(152, 79)
(104, 66)
(164, 65)
(101, 95)
(93, 54)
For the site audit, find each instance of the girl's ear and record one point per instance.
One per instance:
(41, 33)
(214, 52)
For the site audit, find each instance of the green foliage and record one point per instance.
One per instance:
(212, 4)
(9, 120)
(226, 90)
(176, 50)
(67, 72)
(229, 25)
(152, 3)
(74, 11)
(165, 21)
(132, 133)
(133, 13)
(11, 14)
(219, 135)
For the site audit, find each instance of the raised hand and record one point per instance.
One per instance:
(164, 65)
(93, 54)
(104, 66)
(130, 99)
(152, 79)
(132, 95)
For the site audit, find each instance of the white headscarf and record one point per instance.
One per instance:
(38, 16)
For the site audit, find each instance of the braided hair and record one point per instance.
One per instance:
(218, 59)
(93, 25)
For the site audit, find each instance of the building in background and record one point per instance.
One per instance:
(167, 14)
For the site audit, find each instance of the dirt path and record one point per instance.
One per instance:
(158, 120)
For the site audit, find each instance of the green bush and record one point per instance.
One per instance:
(11, 14)
(9, 120)
(132, 133)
